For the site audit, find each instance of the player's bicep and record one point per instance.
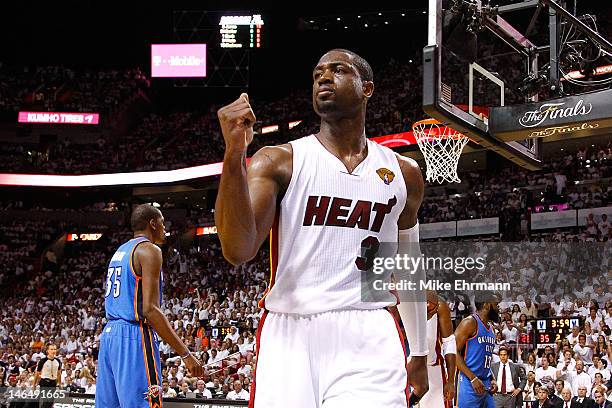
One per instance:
(150, 260)
(268, 175)
(463, 332)
(263, 192)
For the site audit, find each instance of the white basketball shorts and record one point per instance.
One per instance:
(336, 359)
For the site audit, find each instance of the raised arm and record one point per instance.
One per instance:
(247, 199)
(148, 262)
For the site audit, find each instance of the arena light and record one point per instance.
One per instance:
(603, 70)
(396, 140)
(210, 230)
(64, 118)
(111, 179)
(83, 237)
(294, 124)
(269, 129)
(154, 177)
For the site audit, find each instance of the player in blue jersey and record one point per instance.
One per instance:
(475, 342)
(129, 367)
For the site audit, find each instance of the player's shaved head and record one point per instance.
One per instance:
(142, 215)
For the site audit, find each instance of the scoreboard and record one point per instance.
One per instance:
(242, 31)
(547, 331)
(221, 331)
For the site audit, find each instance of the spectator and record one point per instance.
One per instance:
(583, 350)
(545, 374)
(530, 309)
(185, 392)
(238, 393)
(566, 396)
(604, 226)
(91, 386)
(582, 398)
(201, 390)
(542, 399)
(578, 378)
(600, 398)
(599, 366)
(529, 390)
(566, 362)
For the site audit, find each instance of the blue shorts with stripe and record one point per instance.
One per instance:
(129, 368)
(467, 398)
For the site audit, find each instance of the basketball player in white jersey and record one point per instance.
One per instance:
(442, 352)
(327, 200)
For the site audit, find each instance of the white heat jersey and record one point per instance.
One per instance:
(434, 342)
(326, 221)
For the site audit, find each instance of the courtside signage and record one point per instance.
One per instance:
(64, 118)
(572, 116)
(178, 60)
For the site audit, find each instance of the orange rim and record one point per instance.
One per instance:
(427, 123)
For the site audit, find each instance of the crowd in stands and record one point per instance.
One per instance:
(213, 307)
(56, 298)
(59, 88)
(181, 139)
(164, 141)
(574, 179)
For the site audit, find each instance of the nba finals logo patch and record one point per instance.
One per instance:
(385, 175)
(154, 392)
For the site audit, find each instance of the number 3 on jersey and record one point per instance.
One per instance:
(369, 249)
(115, 285)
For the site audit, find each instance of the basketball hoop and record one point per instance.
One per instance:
(441, 146)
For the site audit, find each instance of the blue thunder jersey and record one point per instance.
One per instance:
(479, 350)
(123, 287)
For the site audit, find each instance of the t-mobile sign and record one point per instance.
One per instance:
(178, 60)
(67, 118)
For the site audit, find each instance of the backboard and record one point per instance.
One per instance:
(483, 64)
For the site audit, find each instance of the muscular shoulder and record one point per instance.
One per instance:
(410, 168)
(146, 252)
(147, 249)
(468, 326)
(273, 162)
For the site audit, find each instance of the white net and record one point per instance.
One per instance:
(441, 146)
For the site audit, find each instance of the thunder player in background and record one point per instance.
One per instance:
(442, 352)
(475, 342)
(129, 368)
(327, 200)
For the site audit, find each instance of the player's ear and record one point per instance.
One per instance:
(152, 224)
(368, 88)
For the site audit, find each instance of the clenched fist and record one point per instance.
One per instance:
(237, 120)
